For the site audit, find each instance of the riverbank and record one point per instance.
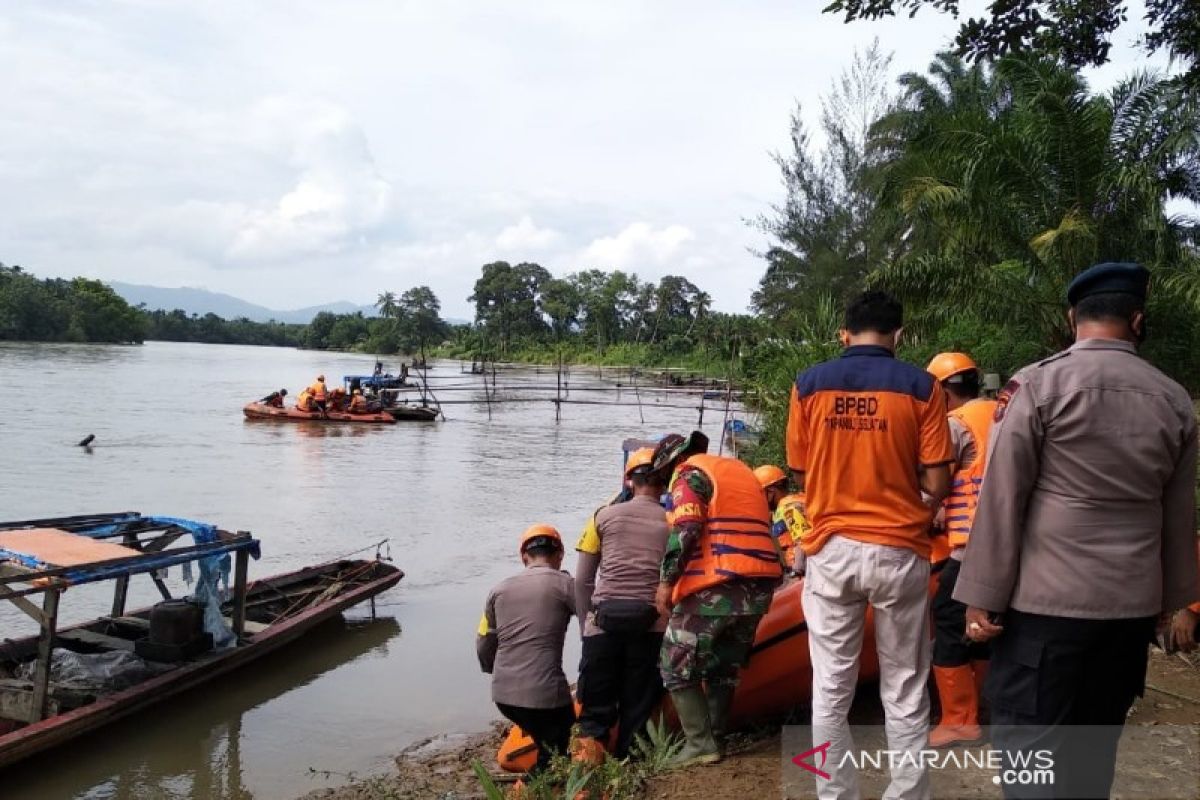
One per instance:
(441, 767)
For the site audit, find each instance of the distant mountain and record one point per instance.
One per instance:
(202, 301)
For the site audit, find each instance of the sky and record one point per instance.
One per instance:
(294, 152)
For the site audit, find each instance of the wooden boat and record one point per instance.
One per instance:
(293, 414)
(262, 615)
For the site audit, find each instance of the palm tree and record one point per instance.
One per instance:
(1011, 179)
(386, 303)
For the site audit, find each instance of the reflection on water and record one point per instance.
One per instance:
(452, 497)
(197, 750)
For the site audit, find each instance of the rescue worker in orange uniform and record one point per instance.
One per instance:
(959, 666)
(866, 436)
(319, 393)
(358, 403)
(520, 643)
(718, 574)
(305, 401)
(337, 399)
(789, 525)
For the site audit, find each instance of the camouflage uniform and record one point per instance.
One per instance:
(710, 632)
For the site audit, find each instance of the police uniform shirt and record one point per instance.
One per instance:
(629, 540)
(521, 638)
(1088, 503)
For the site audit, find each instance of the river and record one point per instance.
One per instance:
(451, 496)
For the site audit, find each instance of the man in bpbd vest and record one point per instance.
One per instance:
(719, 572)
(1084, 538)
(959, 666)
(867, 434)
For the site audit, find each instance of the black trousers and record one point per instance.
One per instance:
(1063, 686)
(950, 623)
(550, 729)
(619, 683)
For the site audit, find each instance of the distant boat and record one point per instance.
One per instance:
(162, 649)
(292, 414)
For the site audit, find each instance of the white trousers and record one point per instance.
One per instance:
(841, 580)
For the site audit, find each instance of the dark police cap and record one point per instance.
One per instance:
(1126, 278)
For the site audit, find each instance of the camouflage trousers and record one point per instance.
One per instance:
(706, 648)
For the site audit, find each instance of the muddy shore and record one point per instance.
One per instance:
(440, 769)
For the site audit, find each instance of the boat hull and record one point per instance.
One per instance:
(56, 730)
(293, 414)
(412, 413)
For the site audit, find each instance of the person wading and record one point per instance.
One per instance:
(1084, 537)
(719, 572)
(959, 665)
(520, 642)
(866, 434)
(616, 577)
(789, 525)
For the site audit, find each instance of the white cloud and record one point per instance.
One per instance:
(225, 143)
(637, 245)
(525, 236)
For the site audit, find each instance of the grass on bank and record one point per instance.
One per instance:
(613, 780)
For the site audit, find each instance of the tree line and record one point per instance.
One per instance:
(975, 191)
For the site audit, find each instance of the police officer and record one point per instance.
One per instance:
(1084, 537)
(617, 572)
(520, 643)
(718, 575)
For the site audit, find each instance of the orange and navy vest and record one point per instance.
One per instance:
(976, 417)
(736, 540)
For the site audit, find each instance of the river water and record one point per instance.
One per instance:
(451, 496)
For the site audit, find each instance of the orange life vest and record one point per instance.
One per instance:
(304, 401)
(976, 417)
(358, 404)
(317, 390)
(736, 540)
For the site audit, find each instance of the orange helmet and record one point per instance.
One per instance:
(769, 475)
(639, 458)
(947, 365)
(539, 531)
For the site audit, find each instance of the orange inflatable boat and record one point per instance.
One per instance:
(777, 679)
(293, 414)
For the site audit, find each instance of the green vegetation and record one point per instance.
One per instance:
(178, 326)
(1079, 33)
(975, 194)
(612, 780)
(56, 310)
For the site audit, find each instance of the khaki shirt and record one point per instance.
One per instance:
(623, 551)
(1088, 505)
(520, 638)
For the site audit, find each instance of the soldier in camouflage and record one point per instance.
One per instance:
(710, 631)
